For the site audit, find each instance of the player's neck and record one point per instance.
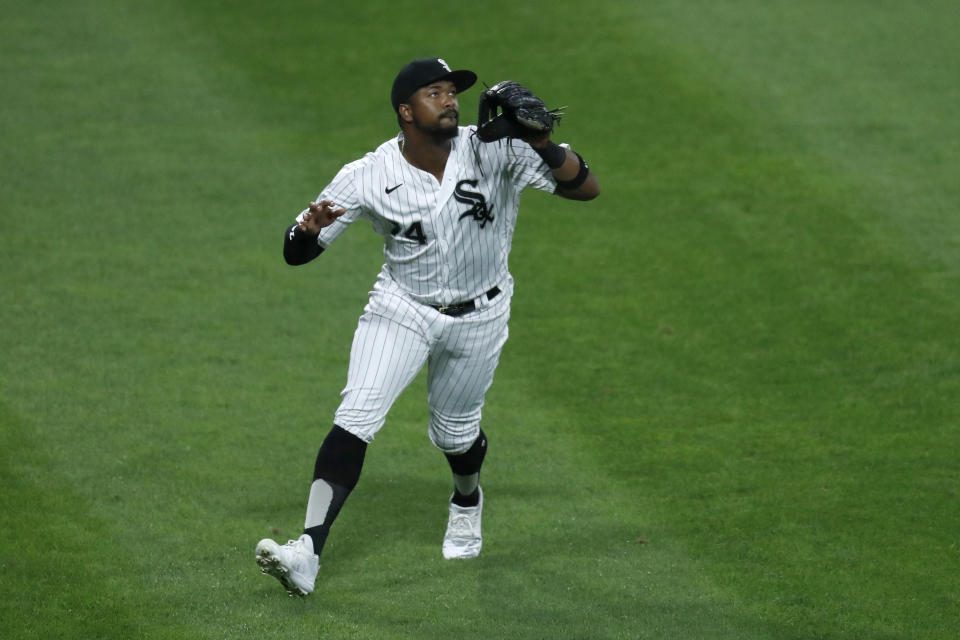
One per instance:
(427, 153)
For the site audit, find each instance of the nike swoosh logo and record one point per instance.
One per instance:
(391, 190)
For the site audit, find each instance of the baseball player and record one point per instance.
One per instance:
(445, 199)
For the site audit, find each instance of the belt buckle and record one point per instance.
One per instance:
(443, 309)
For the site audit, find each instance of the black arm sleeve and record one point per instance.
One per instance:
(299, 247)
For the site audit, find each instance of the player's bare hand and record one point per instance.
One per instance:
(321, 214)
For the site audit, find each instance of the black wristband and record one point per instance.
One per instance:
(299, 247)
(301, 235)
(570, 185)
(553, 154)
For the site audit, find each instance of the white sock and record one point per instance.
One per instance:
(321, 495)
(466, 484)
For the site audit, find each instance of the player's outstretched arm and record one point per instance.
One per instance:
(509, 109)
(300, 240)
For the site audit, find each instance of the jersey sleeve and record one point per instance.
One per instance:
(342, 192)
(528, 168)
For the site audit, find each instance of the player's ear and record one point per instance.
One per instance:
(405, 113)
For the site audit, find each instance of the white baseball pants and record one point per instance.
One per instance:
(396, 336)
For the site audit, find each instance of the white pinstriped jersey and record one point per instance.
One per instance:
(445, 242)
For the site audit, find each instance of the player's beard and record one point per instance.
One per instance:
(443, 128)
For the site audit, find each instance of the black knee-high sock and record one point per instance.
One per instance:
(466, 472)
(335, 474)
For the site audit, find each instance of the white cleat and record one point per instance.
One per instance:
(463, 539)
(294, 564)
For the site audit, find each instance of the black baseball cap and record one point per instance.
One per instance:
(424, 71)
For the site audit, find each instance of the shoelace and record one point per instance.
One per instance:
(462, 527)
(299, 553)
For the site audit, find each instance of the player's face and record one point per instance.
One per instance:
(435, 109)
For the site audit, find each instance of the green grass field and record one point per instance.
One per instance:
(728, 408)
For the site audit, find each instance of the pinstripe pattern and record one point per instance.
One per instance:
(459, 374)
(459, 260)
(444, 243)
(396, 337)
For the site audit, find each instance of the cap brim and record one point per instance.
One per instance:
(461, 79)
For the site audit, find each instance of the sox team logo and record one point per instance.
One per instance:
(478, 210)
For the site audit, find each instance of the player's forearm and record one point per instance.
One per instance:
(299, 247)
(574, 178)
(589, 190)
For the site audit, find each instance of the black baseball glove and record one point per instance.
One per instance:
(509, 109)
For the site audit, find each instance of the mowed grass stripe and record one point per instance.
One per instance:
(789, 362)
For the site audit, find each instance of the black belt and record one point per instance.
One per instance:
(461, 308)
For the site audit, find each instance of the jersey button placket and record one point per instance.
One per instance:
(444, 230)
